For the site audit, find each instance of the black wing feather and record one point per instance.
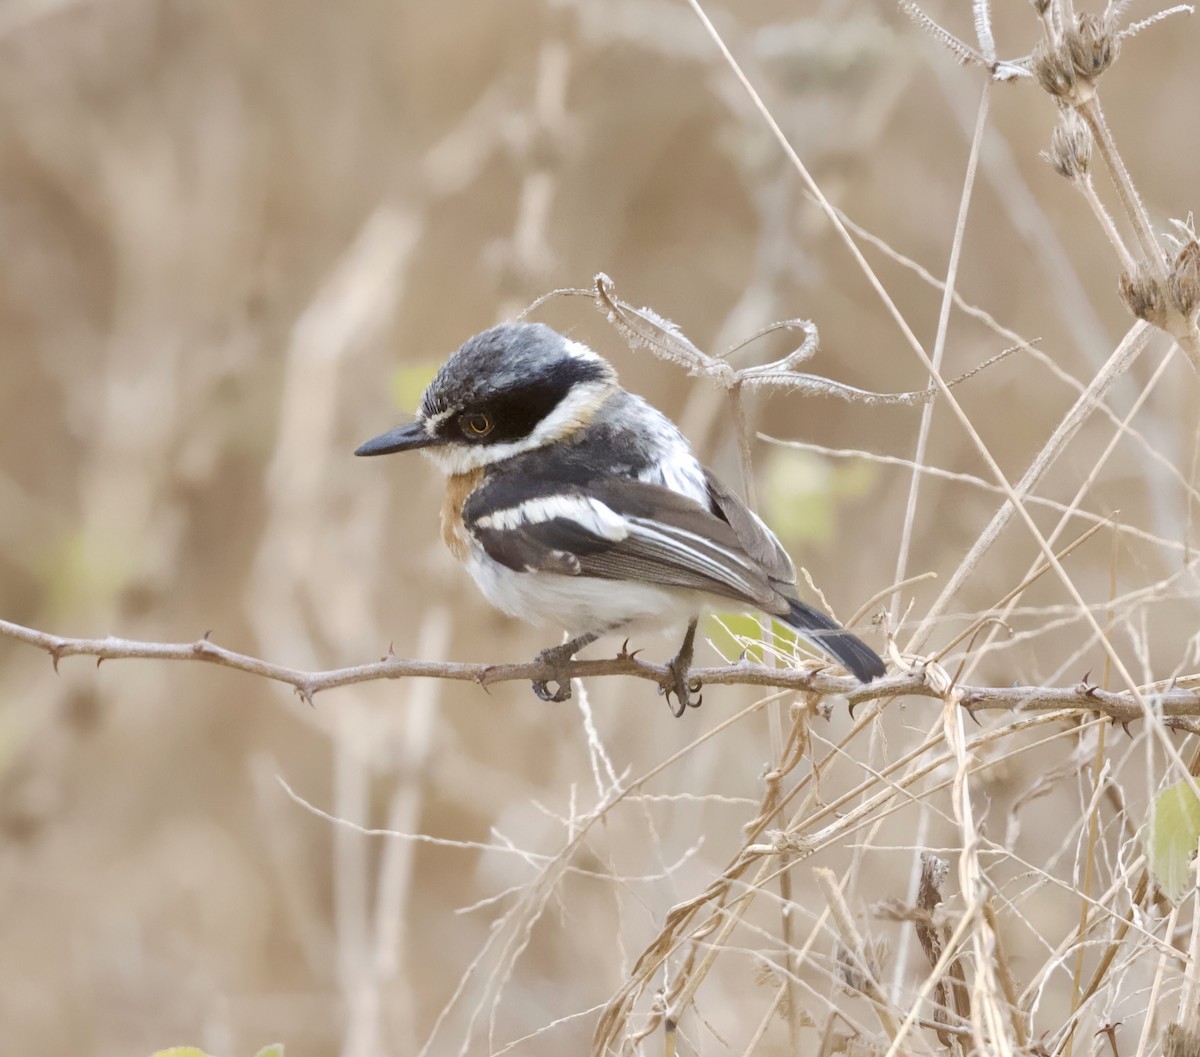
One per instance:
(757, 540)
(671, 540)
(667, 539)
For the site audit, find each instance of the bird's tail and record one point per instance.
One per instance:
(827, 635)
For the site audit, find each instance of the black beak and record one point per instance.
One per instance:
(402, 438)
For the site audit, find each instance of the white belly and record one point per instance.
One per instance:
(580, 604)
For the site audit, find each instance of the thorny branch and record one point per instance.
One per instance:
(1178, 704)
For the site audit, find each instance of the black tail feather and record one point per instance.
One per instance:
(827, 635)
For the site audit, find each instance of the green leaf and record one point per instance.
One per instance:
(731, 633)
(408, 383)
(726, 631)
(1170, 840)
(274, 1050)
(81, 569)
(802, 493)
(797, 492)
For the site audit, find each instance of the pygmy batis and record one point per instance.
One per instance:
(576, 503)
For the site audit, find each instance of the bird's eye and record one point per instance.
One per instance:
(477, 425)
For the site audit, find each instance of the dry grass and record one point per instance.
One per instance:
(237, 237)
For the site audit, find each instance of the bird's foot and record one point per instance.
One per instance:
(557, 658)
(682, 687)
(678, 682)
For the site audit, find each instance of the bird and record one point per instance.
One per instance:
(574, 502)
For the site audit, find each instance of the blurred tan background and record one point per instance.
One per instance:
(237, 236)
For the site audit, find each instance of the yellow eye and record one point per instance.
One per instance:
(478, 425)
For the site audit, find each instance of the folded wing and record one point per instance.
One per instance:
(626, 529)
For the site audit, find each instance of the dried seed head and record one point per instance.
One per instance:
(1183, 284)
(1143, 296)
(1070, 146)
(1181, 1041)
(1185, 232)
(1066, 70)
(1093, 46)
(859, 970)
(1054, 70)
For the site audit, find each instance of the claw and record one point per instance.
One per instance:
(676, 712)
(677, 681)
(556, 658)
(682, 687)
(682, 702)
(542, 689)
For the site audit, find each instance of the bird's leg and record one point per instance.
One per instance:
(555, 657)
(680, 685)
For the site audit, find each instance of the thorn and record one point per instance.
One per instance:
(482, 679)
(54, 658)
(853, 705)
(99, 660)
(624, 655)
(391, 653)
(1039, 1049)
(207, 635)
(1087, 677)
(1110, 1031)
(306, 694)
(971, 713)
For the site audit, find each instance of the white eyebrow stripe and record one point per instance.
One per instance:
(435, 420)
(573, 412)
(590, 514)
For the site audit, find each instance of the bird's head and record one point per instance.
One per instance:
(511, 389)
